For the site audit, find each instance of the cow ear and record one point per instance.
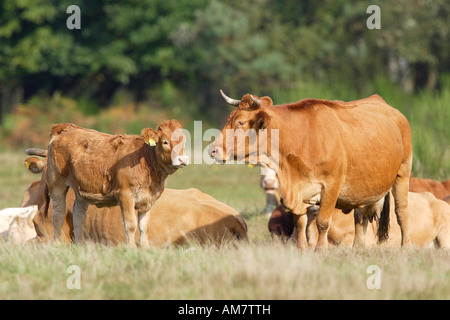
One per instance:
(31, 217)
(260, 102)
(263, 120)
(150, 136)
(266, 101)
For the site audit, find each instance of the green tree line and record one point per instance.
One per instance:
(200, 46)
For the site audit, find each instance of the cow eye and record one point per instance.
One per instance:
(165, 142)
(239, 123)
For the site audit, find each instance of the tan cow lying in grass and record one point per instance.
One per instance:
(194, 215)
(429, 221)
(110, 170)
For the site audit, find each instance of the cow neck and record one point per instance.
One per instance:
(157, 169)
(281, 117)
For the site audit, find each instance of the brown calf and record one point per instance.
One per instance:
(108, 170)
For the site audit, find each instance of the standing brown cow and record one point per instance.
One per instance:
(337, 154)
(108, 170)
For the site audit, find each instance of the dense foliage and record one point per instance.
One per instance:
(199, 46)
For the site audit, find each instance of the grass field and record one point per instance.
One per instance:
(262, 269)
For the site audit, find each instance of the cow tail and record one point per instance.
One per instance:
(47, 201)
(383, 223)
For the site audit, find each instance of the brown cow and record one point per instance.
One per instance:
(108, 170)
(176, 218)
(438, 188)
(340, 154)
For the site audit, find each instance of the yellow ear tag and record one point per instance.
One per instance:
(27, 164)
(151, 142)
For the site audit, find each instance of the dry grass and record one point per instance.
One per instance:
(269, 270)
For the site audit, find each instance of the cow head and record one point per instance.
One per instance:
(21, 228)
(281, 222)
(247, 134)
(169, 141)
(34, 164)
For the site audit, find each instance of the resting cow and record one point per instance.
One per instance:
(438, 188)
(337, 154)
(176, 218)
(34, 164)
(109, 170)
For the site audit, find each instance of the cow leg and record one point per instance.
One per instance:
(271, 204)
(327, 204)
(361, 222)
(129, 219)
(311, 231)
(400, 193)
(443, 238)
(79, 218)
(143, 218)
(58, 196)
(301, 221)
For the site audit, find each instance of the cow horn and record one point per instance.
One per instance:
(230, 101)
(36, 152)
(257, 101)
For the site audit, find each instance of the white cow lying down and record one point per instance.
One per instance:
(8, 215)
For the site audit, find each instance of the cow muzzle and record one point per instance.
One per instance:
(180, 161)
(216, 153)
(269, 185)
